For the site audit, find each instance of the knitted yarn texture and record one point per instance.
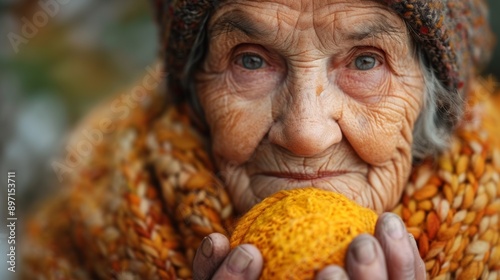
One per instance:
(301, 231)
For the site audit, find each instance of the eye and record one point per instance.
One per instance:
(250, 61)
(365, 62)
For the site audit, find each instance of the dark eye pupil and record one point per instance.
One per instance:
(252, 62)
(365, 62)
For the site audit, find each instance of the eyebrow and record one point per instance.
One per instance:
(375, 30)
(237, 21)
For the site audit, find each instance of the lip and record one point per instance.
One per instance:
(304, 176)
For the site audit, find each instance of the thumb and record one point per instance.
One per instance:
(212, 251)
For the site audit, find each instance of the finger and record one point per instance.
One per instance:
(244, 262)
(365, 259)
(398, 251)
(332, 272)
(420, 273)
(212, 251)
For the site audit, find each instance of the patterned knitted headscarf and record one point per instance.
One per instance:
(455, 35)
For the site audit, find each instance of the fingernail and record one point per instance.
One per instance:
(394, 227)
(207, 247)
(364, 251)
(239, 260)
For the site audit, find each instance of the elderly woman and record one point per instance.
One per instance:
(376, 100)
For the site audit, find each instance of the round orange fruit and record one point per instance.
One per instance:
(301, 231)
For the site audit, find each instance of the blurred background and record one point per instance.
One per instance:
(86, 50)
(78, 53)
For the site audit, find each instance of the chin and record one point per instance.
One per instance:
(246, 191)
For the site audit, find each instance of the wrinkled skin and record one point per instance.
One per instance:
(311, 93)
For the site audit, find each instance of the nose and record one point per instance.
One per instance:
(305, 125)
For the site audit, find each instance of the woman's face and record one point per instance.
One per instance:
(319, 93)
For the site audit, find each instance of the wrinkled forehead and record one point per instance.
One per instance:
(302, 13)
(302, 5)
(307, 6)
(335, 19)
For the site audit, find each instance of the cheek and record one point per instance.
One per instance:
(375, 128)
(238, 103)
(238, 116)
(238, 132)
(380, 111)
(373, 142)
(369, 122)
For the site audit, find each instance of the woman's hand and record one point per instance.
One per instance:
(391, 254)
(215, 260)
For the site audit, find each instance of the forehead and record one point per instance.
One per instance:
(317, 7)
(300, 5)
(334, 20)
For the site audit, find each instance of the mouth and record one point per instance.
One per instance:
(304, 176)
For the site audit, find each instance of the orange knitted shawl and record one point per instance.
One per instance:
(142, 202)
